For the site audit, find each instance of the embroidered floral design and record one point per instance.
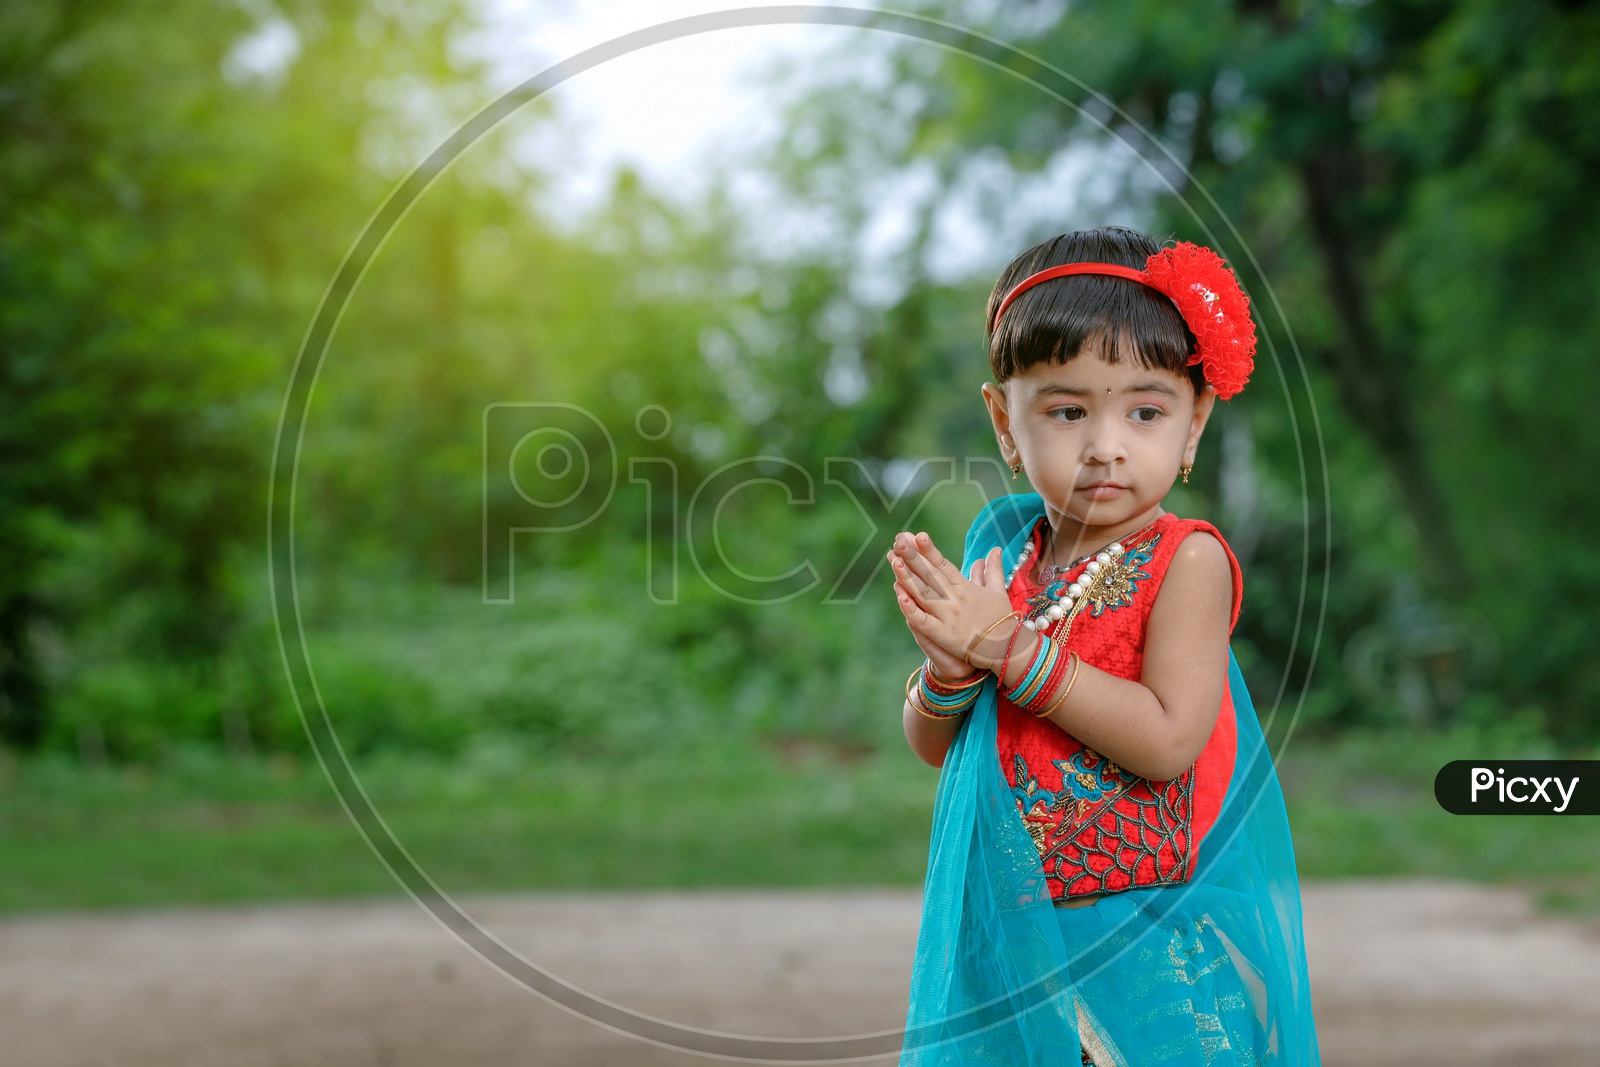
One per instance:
(1090, 776)
(1117, 588)
(1112, 585)
(1048, 594)
(1028, 791)
(1037, 805)
(1107, 829)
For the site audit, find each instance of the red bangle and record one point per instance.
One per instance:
(1001, 677)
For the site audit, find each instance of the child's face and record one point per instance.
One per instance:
(1085, 421)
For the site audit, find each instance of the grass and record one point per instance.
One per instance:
(215, 830)
(206, 829)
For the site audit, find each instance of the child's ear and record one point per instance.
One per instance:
(994, 397)
(1204, 404)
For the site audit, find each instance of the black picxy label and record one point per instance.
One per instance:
(1519, 787)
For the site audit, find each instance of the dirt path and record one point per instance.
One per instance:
(1402, 973)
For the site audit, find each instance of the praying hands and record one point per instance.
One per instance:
(952, 617)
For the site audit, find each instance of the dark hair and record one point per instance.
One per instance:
(1053, 321)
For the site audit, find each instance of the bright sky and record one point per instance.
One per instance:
(670, 108)
(674, 111)
(663, 109)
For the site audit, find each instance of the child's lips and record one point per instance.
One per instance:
(1101, 490)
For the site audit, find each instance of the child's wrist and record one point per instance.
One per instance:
(977, 653)
(1021, 645)
(952, 679)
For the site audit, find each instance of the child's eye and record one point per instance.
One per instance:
(1154, 414)
(1073, 408)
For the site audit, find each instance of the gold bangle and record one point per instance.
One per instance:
(921, 709)
(1077, 661)
(975, 642)
(916, 705)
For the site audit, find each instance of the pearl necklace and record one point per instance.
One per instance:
(1065, 603)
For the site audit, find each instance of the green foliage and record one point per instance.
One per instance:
(168, 215)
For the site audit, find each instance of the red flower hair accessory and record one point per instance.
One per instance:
(1207, 295)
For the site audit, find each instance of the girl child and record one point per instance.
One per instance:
(1110, 878)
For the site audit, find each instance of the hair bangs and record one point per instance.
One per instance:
(1105, 315)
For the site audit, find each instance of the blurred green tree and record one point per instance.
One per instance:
(176, 181)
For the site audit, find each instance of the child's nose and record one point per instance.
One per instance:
(1106, 440)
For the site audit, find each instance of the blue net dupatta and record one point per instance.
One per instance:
(1209, 973)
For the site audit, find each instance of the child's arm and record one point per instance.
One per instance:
(1156, 727)
(929, 738)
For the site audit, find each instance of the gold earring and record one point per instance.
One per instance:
(1184, 470)
(1015, 467)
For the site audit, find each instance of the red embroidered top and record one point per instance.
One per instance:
(1098, 827)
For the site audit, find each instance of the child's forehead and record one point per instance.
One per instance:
(1090, 373)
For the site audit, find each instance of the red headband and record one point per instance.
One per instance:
(1207, 295)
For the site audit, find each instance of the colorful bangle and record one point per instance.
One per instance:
(944, 701)
(917, 703)
(1077, 661)
(922, 709)
(1052, 672)
(1050, 666)
(932, 681)
(945, 706)
(1047, 693)
(1038, 674)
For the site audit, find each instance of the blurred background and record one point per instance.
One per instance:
(768, 241)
